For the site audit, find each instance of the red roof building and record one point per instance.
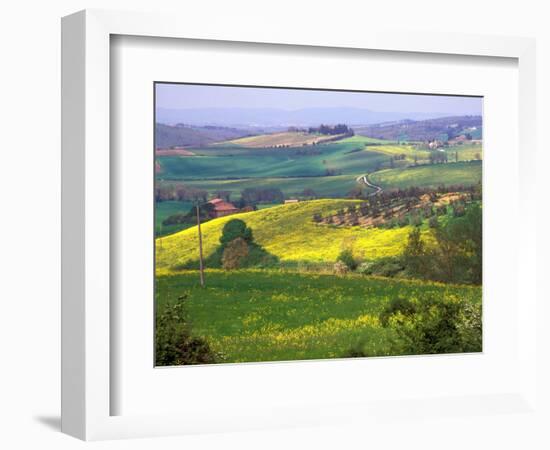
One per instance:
(222, 208)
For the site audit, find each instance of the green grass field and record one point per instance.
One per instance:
(467, 173)
(346, 157)
(288, 232)
(251, 315)
(410, 151)
(466, 152)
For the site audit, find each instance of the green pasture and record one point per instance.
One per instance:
(346, 157)
(253, 315)
(434, 175)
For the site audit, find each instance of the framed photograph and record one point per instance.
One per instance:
(296, 224)
(271, 229)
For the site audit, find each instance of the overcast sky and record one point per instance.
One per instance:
(183, 96)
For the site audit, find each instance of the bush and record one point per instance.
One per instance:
(383, 267)
(365, 268)
(459, 210)
(415, 220)
(234, 254)
(346, 257)
(174, 344)
(340, 268)
(397, 305)
(402, 221)
(433, 222)
(434, 326)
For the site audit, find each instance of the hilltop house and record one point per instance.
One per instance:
(222, 208)
(291, 200)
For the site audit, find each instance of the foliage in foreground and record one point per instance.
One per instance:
(174, 344)
(455, 255)
(434, 326)
(269, 315)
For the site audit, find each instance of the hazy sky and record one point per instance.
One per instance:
(182, 96)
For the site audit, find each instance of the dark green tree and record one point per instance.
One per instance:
(234, 229)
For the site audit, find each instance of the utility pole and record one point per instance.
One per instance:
(201, 264)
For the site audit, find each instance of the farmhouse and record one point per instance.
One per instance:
(222, 208)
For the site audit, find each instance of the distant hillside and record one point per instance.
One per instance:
(444, 128)
(268, 117)
(285, 139)
(180, 135)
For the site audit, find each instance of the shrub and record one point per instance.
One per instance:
(364, 209)
(383, 267)
(433, 222)
(415, 220)
(402, 221)
(459, 210)
(434, 326)
(340, 268)
(234, 254)
(174, 344)
(365, 268)
(346, 257)
(397, 305)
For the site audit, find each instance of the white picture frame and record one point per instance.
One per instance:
(86, 222)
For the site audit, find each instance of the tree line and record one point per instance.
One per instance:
(331, 130)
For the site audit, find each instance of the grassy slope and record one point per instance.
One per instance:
(408, 150)
(346, 157)
(288, 232)
(467, 173)
(466, 152)
(284, 138)
(270, 315)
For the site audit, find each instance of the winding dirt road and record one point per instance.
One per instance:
(365, 179)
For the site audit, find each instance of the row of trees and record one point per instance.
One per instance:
(180, 192)
(331, 130)
(253, 196)
(449, 252)
(249, 196)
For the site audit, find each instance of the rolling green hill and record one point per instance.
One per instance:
(288, 232)
(467, 173)
(409, 151)
(346, 157)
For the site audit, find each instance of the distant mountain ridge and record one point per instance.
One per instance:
(442, 128)
(270, 117)
(181, 135)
